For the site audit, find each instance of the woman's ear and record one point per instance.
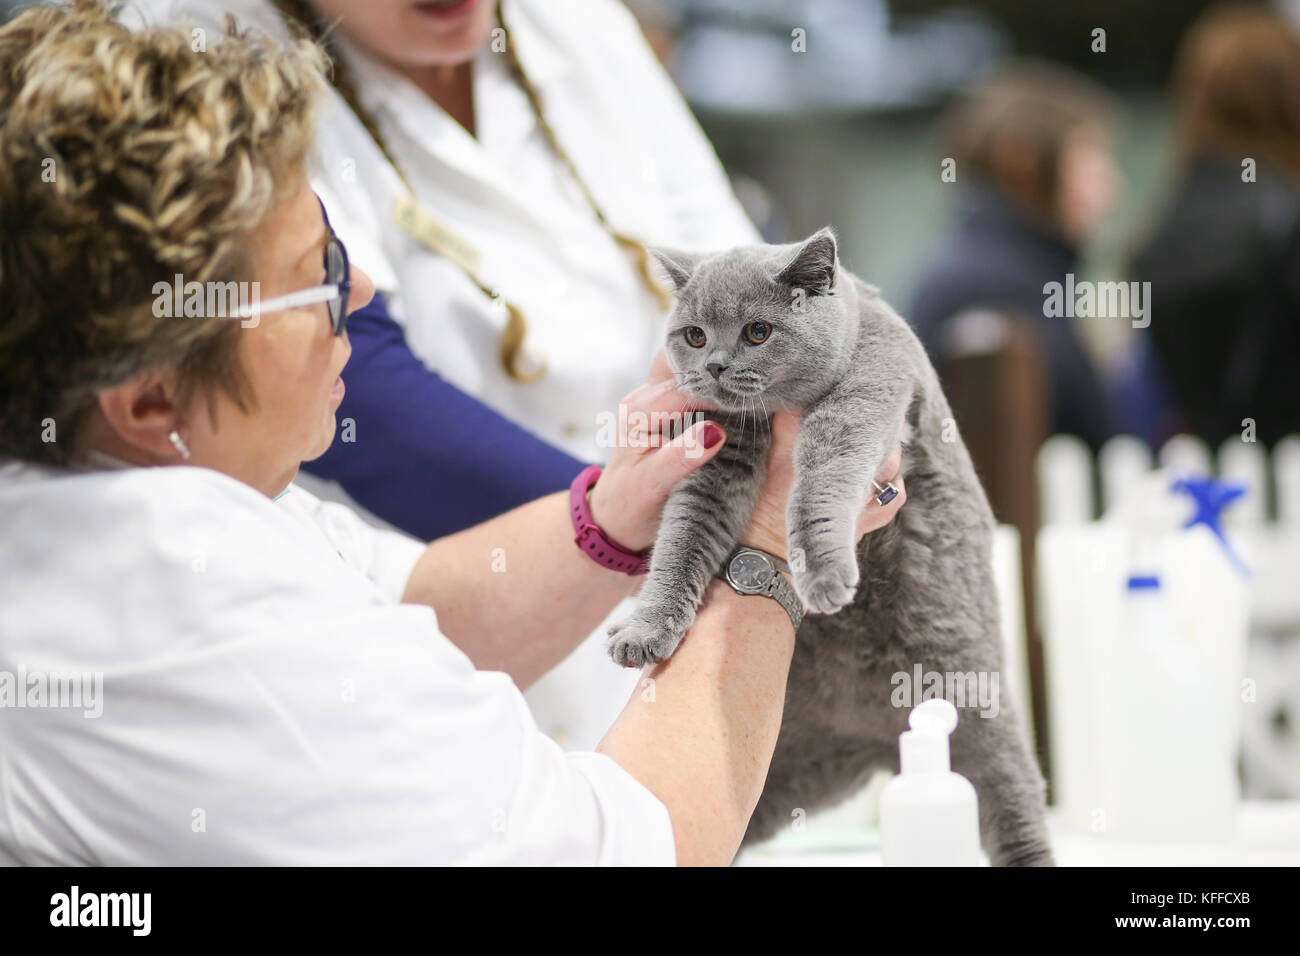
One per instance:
(677, 265)
(143, 413)
(814, 264)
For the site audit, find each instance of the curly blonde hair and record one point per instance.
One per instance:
(127, 158)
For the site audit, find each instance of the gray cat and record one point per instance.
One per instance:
(761, 329)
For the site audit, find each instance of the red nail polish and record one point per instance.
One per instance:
(712, 434)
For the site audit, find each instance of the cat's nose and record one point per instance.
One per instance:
(716, 369)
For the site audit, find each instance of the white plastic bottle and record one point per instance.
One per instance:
(929, 816)
(1169, 773)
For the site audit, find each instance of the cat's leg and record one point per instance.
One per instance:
(994, 754)
(840, 449)
(703, 519)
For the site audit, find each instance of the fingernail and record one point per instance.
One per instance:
(712, 434)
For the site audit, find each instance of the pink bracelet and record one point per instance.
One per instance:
(591, 539)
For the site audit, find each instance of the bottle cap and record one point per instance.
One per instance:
(1144, 582)
(924, 748)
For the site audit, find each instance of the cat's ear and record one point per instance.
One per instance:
(813, 266)
(678, 266)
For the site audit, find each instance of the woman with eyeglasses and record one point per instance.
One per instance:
(497, 169)
(201, 663)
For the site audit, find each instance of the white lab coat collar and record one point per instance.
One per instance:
(94, 460)
(384, 92)
(396, 102)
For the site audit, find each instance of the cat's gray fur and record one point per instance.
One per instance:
(849, 363)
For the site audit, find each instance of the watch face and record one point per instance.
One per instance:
(750, 572)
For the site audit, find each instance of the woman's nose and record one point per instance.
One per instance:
(363, 290)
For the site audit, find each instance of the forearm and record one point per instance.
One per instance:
(703, 741)
(515, 593)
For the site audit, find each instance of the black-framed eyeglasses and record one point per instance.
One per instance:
(335, 291)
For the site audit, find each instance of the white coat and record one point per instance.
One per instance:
(262, 698)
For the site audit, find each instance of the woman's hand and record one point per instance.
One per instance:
(767, 530)
(644, 465)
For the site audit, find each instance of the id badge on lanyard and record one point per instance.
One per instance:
(418, 223)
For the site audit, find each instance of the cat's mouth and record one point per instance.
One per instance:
(740, 391)
(730, 397)
(724, 396)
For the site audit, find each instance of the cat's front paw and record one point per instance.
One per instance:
(829, 584)
(638, 641)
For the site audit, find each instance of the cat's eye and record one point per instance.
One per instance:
(756, 333)
(695, 336)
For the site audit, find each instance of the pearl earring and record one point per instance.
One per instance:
(179, 444)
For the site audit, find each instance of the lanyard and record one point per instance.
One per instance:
(418, 223)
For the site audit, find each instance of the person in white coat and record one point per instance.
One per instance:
(498, 169)
(192, 671)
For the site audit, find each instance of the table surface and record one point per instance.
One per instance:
(1267, 834)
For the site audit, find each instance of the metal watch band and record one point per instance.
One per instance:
(777, 587)
(783, 591)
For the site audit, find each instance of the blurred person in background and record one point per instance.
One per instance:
(1224, 257)
(1034, 178)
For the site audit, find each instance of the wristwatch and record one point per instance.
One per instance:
(750, 571)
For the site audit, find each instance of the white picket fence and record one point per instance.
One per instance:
(1072, 490)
